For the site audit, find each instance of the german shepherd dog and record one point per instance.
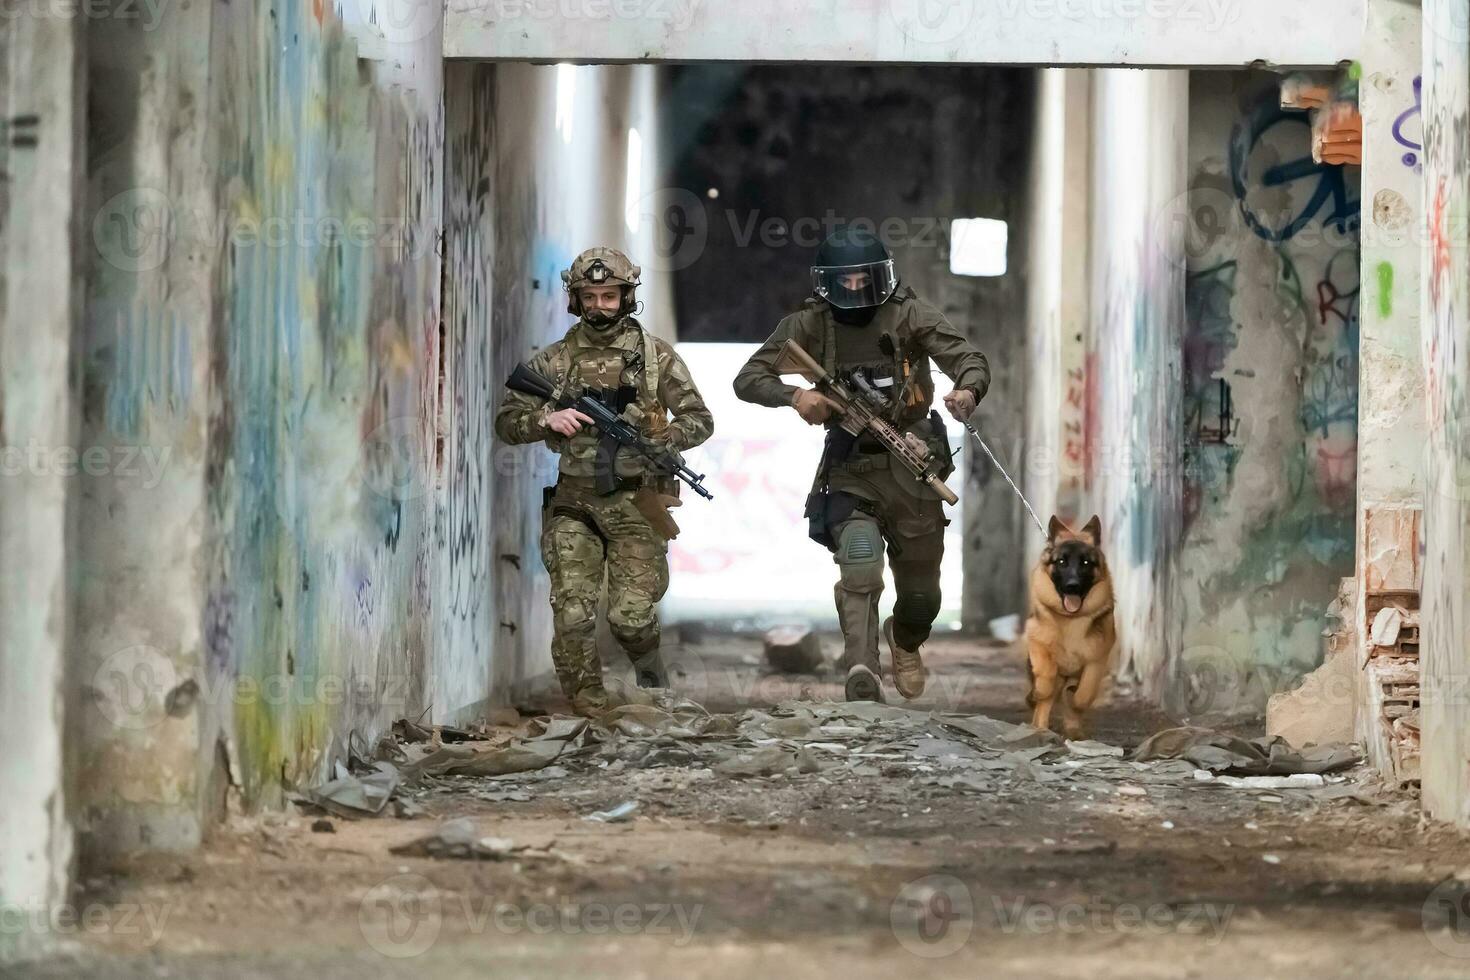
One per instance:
(1070, 633)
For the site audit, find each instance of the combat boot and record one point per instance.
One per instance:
(649, 670)
(908, 666)
(863, 684)
(590, 700)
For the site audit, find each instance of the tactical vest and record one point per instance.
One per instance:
(632, 371)
(895, 319)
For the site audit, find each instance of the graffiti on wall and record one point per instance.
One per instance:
(1270, 396)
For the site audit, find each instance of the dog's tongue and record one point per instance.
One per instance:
(1071, 603)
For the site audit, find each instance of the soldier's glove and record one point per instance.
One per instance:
(813, 406)
(961, 403)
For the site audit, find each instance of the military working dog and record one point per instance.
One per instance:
(1070, 632)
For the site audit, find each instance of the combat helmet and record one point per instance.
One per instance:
(601, 266)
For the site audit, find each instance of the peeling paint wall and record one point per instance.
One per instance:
(1133, 391)
(1270, 385)
(1445, 641)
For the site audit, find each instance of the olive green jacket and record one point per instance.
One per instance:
(919, 331)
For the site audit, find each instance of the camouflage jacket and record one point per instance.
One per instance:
(584, 357)
(919, 332)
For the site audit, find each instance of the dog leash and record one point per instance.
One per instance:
(971, 429)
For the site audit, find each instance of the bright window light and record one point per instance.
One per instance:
(566, 99)
(977, 247)
(635, 181)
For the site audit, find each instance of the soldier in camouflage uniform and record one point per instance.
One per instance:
(862, 320)
(641, 376)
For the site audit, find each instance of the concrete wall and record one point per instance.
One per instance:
(42, 78)
(1022, 32)
(1134, 396)
(1270, 383)
(262, 319)
(1445, 646)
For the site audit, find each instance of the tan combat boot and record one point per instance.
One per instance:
(908, 666)
(590, 700)
(862, 684)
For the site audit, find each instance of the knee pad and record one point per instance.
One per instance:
(860, 557)
(919, 608)
(636, 638)
(574, 614)
(913, 615)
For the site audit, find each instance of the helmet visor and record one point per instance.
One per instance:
(852, 287)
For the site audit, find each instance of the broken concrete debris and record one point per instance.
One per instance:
(677, 741)
(793, 650)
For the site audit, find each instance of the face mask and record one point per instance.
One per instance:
(860, 317)
(600, 319)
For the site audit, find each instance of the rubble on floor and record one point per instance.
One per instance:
(668, 743)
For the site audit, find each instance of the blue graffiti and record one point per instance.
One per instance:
(1329, 194)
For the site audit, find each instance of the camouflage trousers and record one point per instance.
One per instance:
(584, 536)
(906, 516)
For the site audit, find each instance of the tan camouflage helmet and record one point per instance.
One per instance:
(601, 267)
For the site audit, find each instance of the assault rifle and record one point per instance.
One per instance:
(616, 432)
(859, 405)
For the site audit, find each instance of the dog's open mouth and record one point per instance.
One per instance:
(1072, 603)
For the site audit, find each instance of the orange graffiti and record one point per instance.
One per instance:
(1439, 242)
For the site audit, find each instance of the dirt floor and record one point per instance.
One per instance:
(882, 861)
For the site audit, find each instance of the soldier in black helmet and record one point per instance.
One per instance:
(861, 319)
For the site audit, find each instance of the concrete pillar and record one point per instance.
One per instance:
(1057, 300)
(1391, 422)
(140, 690)
(1445, 642)
(42, 88)
(1139, 139)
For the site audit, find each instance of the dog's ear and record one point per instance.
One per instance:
(1054, 528)
(1094, 528)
